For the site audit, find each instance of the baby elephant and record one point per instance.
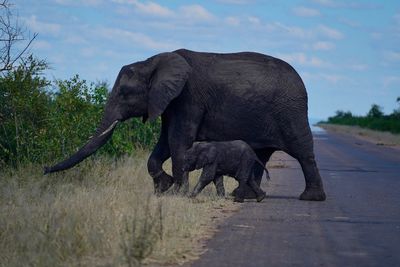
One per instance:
(234, 158)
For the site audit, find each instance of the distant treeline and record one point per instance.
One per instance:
(44, 121)
(375, 119)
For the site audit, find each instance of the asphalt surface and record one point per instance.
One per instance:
(358, 224)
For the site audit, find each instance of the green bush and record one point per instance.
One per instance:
(43, 121)
(24, 109)
(375, 119)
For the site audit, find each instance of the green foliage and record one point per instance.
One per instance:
(24, 109)
(375, 119)
(375, 111)
(42, 121)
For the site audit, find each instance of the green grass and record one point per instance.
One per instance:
(101, 213)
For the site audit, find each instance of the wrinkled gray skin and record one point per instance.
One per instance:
(233, 158)
(211, 97)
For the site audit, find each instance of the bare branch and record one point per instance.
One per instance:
(4, 4)
(12, 36)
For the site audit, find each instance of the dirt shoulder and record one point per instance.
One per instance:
(376, 137)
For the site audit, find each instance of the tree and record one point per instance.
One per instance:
(375, 111)
(24, 108)
(13, 41)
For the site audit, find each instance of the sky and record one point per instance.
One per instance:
(347, 52)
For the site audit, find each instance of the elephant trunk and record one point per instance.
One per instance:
(101, 136)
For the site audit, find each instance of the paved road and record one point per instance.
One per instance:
(358, 224)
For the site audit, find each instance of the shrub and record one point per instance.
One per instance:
(42, 123)
(375, 119)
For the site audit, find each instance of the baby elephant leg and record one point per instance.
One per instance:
(206, 177)
(240, 191)
(256, 188)
(219, 185)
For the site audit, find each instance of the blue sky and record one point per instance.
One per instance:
(347, 52)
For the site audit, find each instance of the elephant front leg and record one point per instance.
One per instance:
(206, 177)
(160, 153)
(181, 178)
(181, 135)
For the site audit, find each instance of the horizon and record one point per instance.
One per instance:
(347, 53)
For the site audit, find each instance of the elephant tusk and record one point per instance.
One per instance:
(109, 128)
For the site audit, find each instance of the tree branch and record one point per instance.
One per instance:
(10, 34)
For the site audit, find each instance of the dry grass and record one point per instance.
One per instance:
(377, 137)
(102, 213)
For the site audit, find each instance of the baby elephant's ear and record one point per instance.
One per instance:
(201, 160)
(206, 157)
(212, 155)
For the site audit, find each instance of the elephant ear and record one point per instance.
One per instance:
(206, 157)
(168, 79)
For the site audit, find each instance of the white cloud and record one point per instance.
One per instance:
(303, 59)
(135, 38)
(196, 12)
(233, 21)
(153, 9)
(236, 2)
(291, 30)
(396, 17)
(376, 35)
(254, 20)
(329, 32)
(390, 81)
(148, 8)
(392, 56)
(41, 45)
(87, 52)
(42, 27)
(75, 39)
(325, 46)
(326, 3)
(333, 78)
(306, 12)
(347, 4)
(80, 2)
(358, 67)
(350, 22)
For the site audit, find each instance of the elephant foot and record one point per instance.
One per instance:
(162, 183)
(248, 193)
(260, 197)
(238, 199)
(313, 194)
(179, 189)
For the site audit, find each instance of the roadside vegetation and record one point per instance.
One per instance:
(102, 212)
(375, 119)
(45, 121)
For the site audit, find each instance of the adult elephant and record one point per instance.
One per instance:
(209, 96)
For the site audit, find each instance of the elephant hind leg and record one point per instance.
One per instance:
(219, 185)
(298, 140)
(258, 171)
(303, 152)
(260, 194)
(314, 190)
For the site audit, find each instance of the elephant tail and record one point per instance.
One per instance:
(265, 169)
